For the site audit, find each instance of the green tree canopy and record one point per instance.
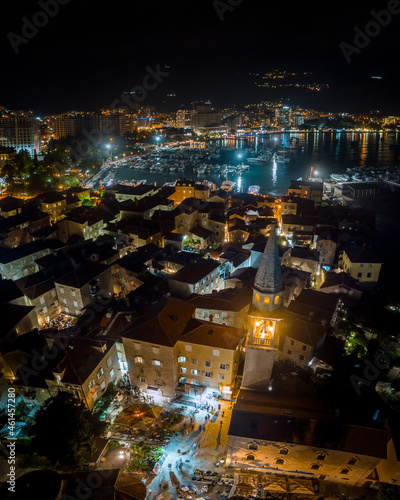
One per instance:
(63, 430)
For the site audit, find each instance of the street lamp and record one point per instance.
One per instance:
(108, 146)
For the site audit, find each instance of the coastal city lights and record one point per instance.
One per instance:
(199, 234)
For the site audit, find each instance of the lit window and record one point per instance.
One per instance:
(183, 369)
(195, 372)
(257, 298)
(139, 359)
(156, 362)
(181, 359)
(276, 301)
(266, 301)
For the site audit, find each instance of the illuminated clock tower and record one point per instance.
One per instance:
(262, 342)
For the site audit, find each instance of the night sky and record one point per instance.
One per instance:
(93, 50)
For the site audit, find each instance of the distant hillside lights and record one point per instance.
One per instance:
(371, 30)
(39, 20)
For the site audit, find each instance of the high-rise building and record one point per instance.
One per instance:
(184, 119)
(64, 126)
(19, 131)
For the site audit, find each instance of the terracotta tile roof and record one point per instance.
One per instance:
(213, 335)
(300, 329)
(193, 273)
(175, 323)
(80, 277)
(361, 255)
(337, 279)
(316, 306)
(302, 421)
(165, 328)
(231, 299)
(82, 356)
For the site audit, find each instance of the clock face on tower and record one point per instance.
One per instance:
(264, 332)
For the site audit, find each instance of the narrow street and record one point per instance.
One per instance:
(201, 446)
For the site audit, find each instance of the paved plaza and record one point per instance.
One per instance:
(200, 442)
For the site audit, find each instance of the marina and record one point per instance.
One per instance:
(269, 162)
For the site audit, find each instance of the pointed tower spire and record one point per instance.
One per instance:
(267, 291)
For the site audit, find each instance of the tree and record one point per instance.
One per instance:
(8, 171)
(145, 457)
(63, 430)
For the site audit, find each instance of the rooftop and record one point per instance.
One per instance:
(230, 299)
(361, 255)
(80, 277)
(13, 254)
(196, 271)
(302, 421)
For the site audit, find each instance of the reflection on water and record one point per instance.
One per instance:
(274, 174)
(327, 152)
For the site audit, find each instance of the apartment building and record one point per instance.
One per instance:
(18, 262)
(362, 265)
(173, 351)
(199, 277)
(79, 288)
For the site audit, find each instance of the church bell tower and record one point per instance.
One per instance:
(262, 342)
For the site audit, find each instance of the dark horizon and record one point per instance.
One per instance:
(89, 53)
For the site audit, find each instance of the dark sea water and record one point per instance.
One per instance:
(328, 152)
